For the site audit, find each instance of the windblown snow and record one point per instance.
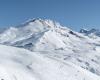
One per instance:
(44, 50)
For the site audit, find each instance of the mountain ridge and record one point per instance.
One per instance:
(51, 39)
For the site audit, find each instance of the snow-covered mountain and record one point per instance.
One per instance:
(92, 33)
(57, 43)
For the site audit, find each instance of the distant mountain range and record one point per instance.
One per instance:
(93, 33)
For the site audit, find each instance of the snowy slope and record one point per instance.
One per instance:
(21, 64)
(52, 40)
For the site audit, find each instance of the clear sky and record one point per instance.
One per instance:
(72, 13)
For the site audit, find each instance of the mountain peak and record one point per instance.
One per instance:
(45, 22)
(33, 20)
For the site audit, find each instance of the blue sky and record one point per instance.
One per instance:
(75, 14)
